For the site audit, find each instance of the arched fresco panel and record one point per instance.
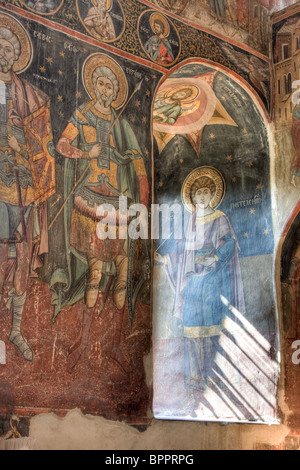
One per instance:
(215, 341)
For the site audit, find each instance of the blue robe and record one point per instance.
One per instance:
(202, 294)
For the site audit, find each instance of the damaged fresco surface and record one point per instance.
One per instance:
(75, 313)
(242, 20)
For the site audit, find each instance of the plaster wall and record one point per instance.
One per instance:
(79, 432)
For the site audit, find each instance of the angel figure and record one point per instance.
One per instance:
(168, 109)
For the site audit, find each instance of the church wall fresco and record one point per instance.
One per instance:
(246, 21)
(242, 20)
(80, 318)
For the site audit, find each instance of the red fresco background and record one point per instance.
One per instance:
(96, 385)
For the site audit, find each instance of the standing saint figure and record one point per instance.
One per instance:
(204, 270)
(95, 136)
(25, 137)
(99, 21)
(158, 46)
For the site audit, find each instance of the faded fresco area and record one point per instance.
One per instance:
(245, 21)
(136, 28)
(286, 57)
(277, 5)
(214, 348)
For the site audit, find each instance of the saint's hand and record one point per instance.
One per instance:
(208, 262)
(95, 151)
(159, 116)
(13, 143)
(158, 258)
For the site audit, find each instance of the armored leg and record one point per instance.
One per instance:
(16, 337)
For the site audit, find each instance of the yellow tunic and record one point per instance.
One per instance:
(90, 134)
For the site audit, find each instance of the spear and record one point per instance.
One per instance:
(167, 239)
(137, 88)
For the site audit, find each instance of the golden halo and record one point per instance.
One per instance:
(108, 4)
(196, 93)
(157, 16)
(208, 172)
(98, 60)
(18, 30)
